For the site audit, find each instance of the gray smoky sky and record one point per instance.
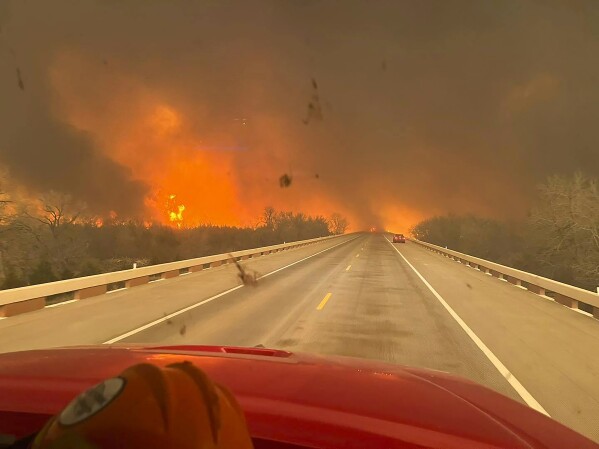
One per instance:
(387, 111)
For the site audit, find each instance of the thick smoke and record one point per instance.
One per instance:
(402, 109)
(46, 154)
(40, 149)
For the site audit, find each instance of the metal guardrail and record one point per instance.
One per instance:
(564, 294)
(25, 299)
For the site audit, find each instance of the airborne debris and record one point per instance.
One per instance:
(247, 278)
(468, 285)
(314, 108)
(384, 65)
(285, 180)
(20, 79)
(183, 330)
(317, 176)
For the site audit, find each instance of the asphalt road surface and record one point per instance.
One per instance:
(361, 296)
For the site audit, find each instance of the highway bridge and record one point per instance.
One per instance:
(359, 295)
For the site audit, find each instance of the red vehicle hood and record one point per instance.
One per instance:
(306, 400)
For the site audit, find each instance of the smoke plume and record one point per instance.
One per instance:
(385, 111)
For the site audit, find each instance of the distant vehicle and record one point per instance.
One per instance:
(399, 238)
(295, 400)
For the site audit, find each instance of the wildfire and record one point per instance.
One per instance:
(166, 143)
(175, 211)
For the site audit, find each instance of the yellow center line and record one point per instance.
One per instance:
(348, 268)
(324, 301)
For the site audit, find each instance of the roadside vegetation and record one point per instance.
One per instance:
(559, 239)
(54, 239)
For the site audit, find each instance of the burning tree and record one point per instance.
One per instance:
(175, 211)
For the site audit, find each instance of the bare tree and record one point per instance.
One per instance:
(57, 210)
(269, 217)
(567, 222)
(7, 221)
(5, 202)
(338, 224)
(52, 222)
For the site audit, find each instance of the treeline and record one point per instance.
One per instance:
(58, 241)
(558, 240)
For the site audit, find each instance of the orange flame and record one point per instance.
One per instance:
(175, 213)
(177, 217)
(223, 173)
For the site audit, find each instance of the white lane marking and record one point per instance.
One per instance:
(60, 303)
(212, 298)
(582, 312)
(515, 383)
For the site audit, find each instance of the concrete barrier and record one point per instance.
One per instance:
(564, 294)
(137, 281)
(89, 292)
(26, 299)
(17, 308)
(170, 274)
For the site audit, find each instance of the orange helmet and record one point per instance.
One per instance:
(147, 406)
